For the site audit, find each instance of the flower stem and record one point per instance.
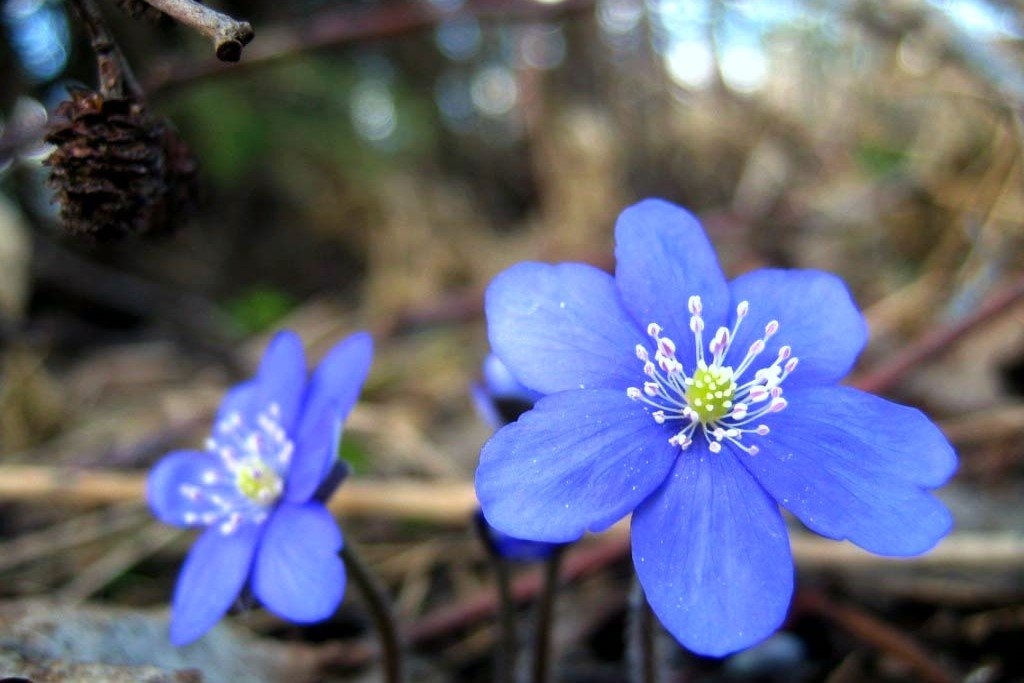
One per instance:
(642, 653)
(545, 612)
(380, 610)
(508, 637)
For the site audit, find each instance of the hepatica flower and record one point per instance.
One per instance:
(254, 490)
(501, 399)
(701, 406)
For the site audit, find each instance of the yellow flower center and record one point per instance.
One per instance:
(711, 392)
(257, 482)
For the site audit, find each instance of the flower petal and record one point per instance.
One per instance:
(664, 258)
(280, 379)
(210, 580)
(712, 554)
(332, 393)
(562, 327)
(282, 375)
(500, 544)
(817, 319)
(854, 466)
(501, 383)
(579, 461)
(298, 574)
(164, 487)
(243, 398)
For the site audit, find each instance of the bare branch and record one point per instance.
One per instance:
(229, 35)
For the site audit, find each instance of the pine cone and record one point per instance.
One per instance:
(118, 171)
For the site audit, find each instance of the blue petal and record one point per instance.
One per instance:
(214, 573)
(282, 375)
(486, 407)
(854, 466)
(332, 393)
(511, 548)
(165, 481)
(501, 383)
(280, 379)
(712, 555)
(664, 258)
(580, 460)
(244, 398)
(562, 327)
(817, 319)
(298, 573)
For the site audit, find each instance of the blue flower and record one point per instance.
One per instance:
(677, 396)
(501, 399)
(255, 489)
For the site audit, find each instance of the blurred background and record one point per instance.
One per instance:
(372, 164)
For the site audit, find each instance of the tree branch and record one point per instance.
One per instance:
(229, 35)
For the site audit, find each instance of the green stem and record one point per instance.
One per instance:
(545, 617)
(380, 610)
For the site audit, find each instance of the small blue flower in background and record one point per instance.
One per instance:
(255, 489)
(677, 396)
(500, 400)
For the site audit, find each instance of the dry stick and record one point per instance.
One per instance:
(115, 561)
(877, 633)
(582, 561)
(438, 502)
(354, 24)
(79, 530)
(114, 73)
(229, 35)
(888, 374)
(452, 502)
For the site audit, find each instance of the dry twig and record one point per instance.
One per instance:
(229, 35)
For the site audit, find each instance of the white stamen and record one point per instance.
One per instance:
(708, 395)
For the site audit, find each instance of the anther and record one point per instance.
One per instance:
(667, 347)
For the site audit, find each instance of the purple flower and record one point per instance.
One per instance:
(501, 399)
(254, 488)
(665, 399)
